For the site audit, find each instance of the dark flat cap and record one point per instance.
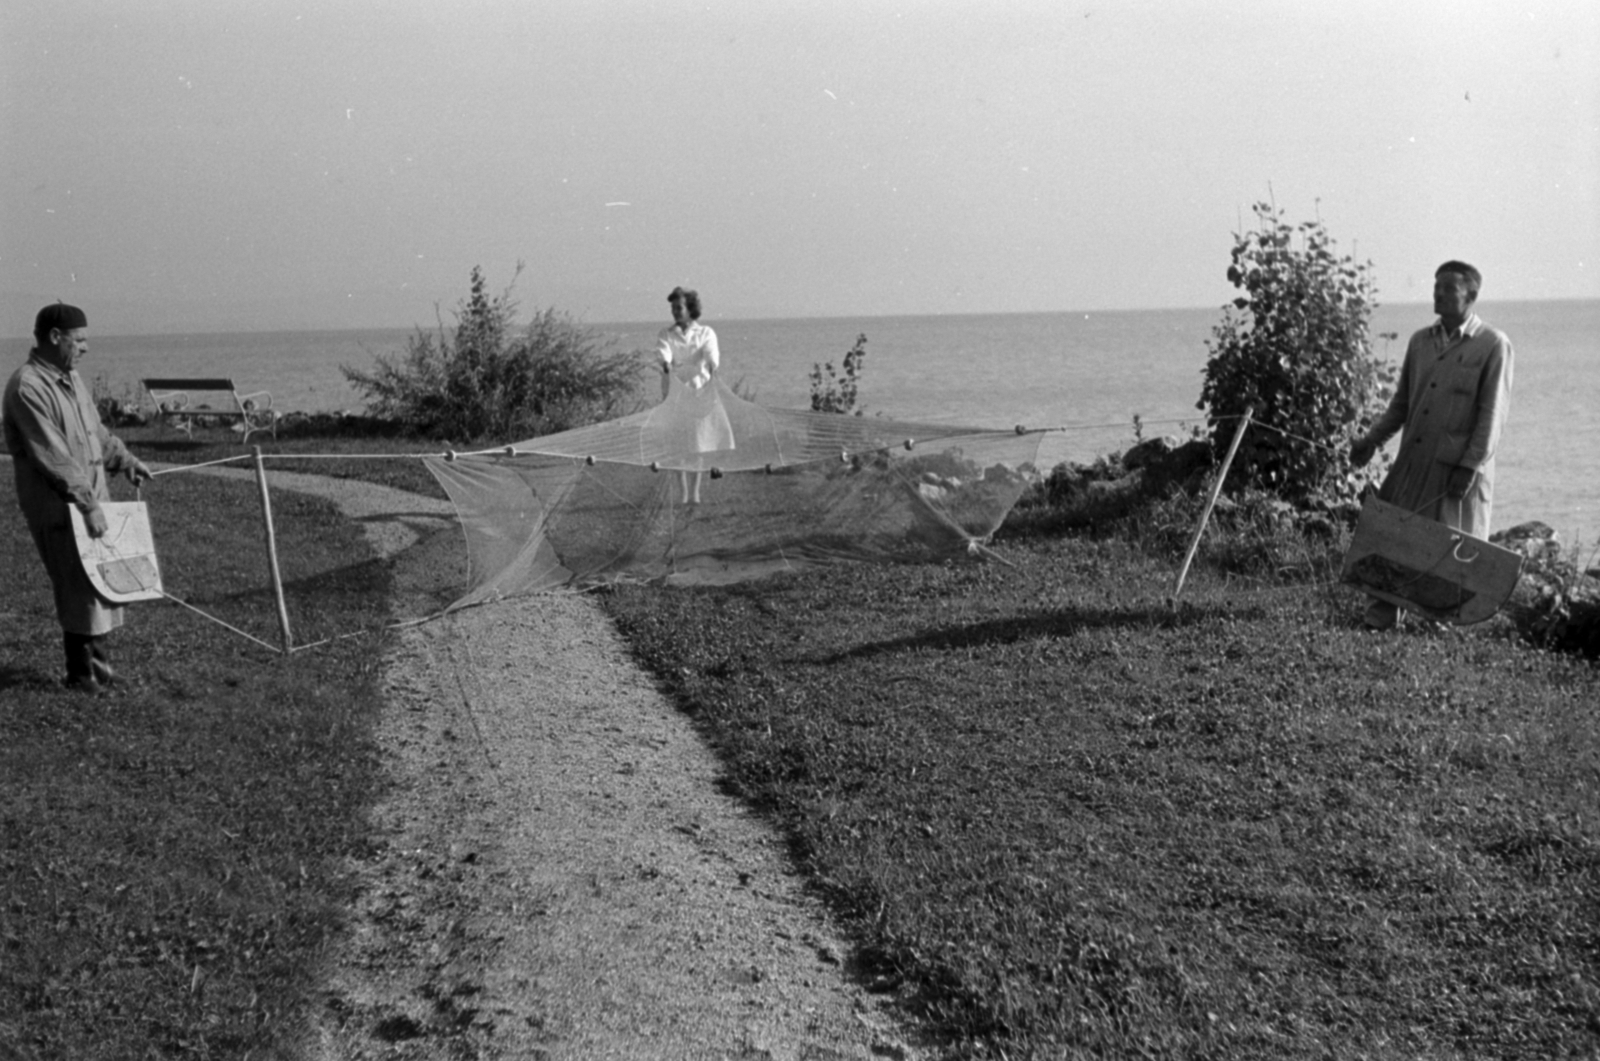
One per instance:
(59, 315)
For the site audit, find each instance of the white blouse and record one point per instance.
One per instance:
(692, 356)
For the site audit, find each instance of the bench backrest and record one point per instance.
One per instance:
(170, 394)
(190, 385)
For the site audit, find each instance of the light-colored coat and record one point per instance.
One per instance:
(61, 453)
(1450, 406)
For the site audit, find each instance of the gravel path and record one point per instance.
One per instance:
(554, 873)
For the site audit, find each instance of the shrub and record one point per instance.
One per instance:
(485, 382)
(1295, 345)
(833, 393)
(116, 409)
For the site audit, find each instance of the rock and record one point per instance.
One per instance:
(1185, 466)
(1111, 487)
(1151, 450)
(1319, 526)
(1534, 539)
(1554, 604)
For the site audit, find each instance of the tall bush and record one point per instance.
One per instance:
(1296, 345)
(485, 380)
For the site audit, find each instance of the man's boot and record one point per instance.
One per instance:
(100, 661)
(80, 662)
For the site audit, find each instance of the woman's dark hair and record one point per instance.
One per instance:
(690, 299)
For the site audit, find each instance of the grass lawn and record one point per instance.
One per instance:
(170, 854)
(1078, 825)
(1070, 821)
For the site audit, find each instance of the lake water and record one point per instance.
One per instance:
(1087, 374)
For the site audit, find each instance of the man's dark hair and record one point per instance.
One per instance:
(1474, 278)
(690, 299)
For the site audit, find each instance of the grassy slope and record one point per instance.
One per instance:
(170, 861)
(1075, 822)
(1071, 820)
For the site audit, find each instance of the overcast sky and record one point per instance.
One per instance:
(192, 165)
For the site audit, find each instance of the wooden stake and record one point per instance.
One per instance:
(1205, 516)
(272, 553)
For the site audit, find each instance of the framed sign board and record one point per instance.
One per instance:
(1428, 566)
(121, 564)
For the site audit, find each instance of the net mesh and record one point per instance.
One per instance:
(708, 487)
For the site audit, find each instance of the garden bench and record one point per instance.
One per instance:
(176, 408)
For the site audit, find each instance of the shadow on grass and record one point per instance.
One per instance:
(1067, 622)
(414, 520)
(12, 677)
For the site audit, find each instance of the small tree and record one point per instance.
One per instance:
(1296, 346)
(833, 393)
(485, 382)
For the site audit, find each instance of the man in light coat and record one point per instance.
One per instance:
(1450, 407)
(61, 455)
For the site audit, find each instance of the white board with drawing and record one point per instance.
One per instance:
(121, 564)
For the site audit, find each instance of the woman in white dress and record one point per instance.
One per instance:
(688, 352)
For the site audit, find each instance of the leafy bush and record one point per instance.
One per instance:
(485, 382)
(833, 393)
(1295, 345)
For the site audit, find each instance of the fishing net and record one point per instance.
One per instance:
(777, 490)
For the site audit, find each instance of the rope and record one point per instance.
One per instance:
(300, 457)
(1186, 420)
(1103, 427)
(358, 456)
(976, 546)
(500, 451)
(1290, 434)
(205, 464)
(472, 716)
(219, 622)
(403, 624)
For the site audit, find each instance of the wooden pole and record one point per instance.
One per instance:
(272, 553)
(1205, 515)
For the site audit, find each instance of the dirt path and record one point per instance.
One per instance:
(554, 873)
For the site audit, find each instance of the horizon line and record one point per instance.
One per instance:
(586, 322)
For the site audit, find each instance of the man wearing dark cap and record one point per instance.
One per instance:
(1450, 404)
(61, 454)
